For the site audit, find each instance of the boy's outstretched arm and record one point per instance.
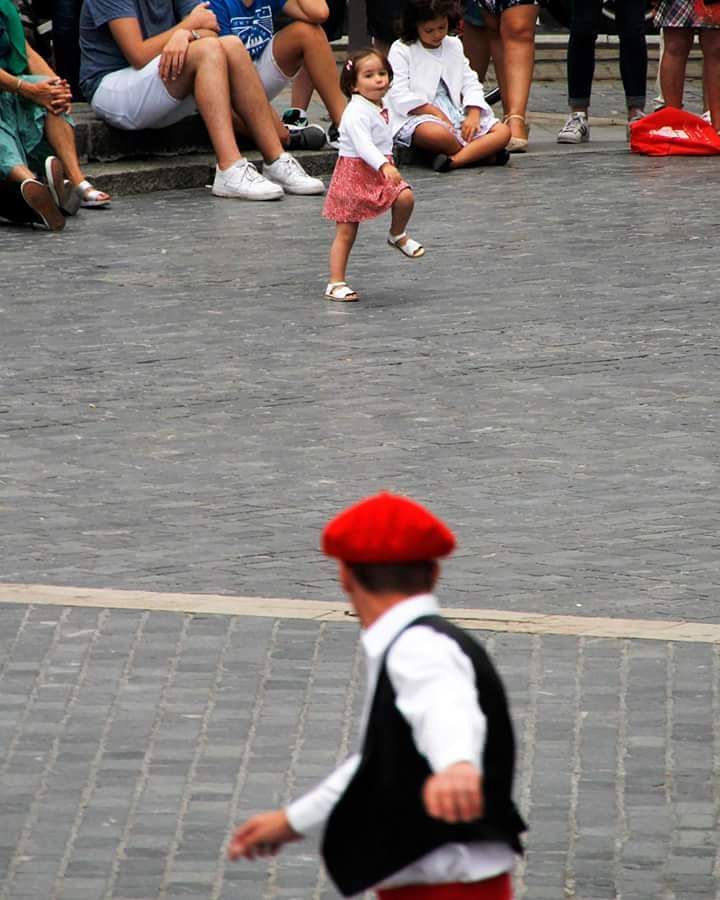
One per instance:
(263, 835)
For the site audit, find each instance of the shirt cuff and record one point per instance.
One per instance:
(303, 818)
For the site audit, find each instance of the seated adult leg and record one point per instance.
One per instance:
(205, 75)
(677, 45)
(633, 53)
(300, 45)
(333, 26)
(248, 98)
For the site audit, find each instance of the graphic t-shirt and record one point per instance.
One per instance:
(252, 24)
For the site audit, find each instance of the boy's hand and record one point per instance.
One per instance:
(390, 172)
(455, 794)
(201, 17)
(471, 124)
(172, 58)
(263, 835)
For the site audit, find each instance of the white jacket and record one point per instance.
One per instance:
(418, 74)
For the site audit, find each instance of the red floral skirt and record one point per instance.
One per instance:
(358, 192)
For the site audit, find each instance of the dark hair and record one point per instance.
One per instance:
(419, 11)
(404, 578)
(348, 76)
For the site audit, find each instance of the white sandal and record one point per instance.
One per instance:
(410, 248)
(341, 291)
(90, 197)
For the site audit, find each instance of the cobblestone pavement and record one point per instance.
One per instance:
(131, 741)
(180, 410)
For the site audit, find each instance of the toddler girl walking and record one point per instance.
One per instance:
(366, 182)
(437, 103)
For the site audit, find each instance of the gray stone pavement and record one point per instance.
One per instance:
(180, 410)
(131, 741)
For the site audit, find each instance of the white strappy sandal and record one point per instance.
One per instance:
(341, 292)
(90, 197)
(409, 248)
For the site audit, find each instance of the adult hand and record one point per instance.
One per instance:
(172, 58)
(263, 835)
(455, 794)
(53, 94)
(201, 17)
(471, 124)
(390, 172)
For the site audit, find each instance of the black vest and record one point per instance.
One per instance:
(379, 825)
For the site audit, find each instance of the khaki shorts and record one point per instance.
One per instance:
(137, 98)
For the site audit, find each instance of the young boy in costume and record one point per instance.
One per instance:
(424, 810)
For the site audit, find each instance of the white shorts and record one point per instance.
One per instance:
(272, 76)
(137, 98)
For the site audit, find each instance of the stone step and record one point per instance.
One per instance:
(183, 172)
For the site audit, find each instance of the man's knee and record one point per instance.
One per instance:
(304, 35)
(235, 50)
(207, 50)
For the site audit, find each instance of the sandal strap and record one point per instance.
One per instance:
(395, 238)
(339, 289)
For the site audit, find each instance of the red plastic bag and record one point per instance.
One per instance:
(673, 132)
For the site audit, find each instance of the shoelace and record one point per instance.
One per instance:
(251, 172)
(574, 122)
(292, 166)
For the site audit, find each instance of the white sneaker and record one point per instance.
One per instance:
(243, 181)
(575, 131)
(287, 172)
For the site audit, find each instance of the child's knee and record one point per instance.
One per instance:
(405, 199)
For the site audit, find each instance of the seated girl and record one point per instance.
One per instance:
(436, 102)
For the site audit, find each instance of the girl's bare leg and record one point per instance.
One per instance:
(678, 42)
(345, 234)
(435, 138)
(488, 145)
(401, 211)
(710, 43)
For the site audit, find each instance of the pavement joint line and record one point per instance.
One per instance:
(337, 611)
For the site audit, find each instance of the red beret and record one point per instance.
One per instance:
(386, 528)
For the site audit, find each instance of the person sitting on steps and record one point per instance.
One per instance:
(150, 63)
(302, 45)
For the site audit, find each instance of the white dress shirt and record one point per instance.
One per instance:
(365, 133)
(434, 682)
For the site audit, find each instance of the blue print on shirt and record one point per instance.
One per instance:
(255, 30)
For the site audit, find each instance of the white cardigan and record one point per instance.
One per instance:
(417, 75)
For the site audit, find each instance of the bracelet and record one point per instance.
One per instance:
(18, 85)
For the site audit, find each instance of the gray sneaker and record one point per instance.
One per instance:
(575, 131)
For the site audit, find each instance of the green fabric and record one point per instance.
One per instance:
(13, 56)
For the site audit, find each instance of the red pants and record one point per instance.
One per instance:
(499, 888)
